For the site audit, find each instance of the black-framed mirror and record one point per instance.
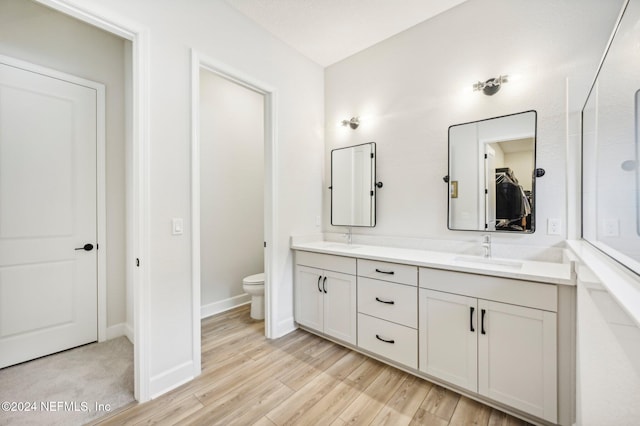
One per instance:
(492, 174)
(353, 185)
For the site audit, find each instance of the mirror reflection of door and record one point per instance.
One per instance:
(490, 187)
(352, 185)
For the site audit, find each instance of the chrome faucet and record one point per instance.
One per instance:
(486, 245)
(347, 235)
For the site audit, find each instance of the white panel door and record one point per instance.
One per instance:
(48, 290)
(340, 306)
(517, 355)
(309, 297)
(448, 330)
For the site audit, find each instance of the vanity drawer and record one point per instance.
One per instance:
(328, 262)
(401, 342)
(389, 301)
(386, 271)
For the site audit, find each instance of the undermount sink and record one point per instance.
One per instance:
(513, 264)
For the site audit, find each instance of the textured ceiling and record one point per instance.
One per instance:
(327, 31)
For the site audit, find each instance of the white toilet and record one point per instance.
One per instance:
(254, 285)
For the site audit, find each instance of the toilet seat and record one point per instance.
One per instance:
(256, 279)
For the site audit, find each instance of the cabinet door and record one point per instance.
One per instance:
(448, 329)
(309, 297)
(517, 357)
(340, 306)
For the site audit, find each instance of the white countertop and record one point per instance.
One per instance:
(546, 272)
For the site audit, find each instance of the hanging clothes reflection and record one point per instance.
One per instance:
(513, 204)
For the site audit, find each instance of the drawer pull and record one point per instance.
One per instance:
(388, 302)
(384, 340)
(385, 272)
(319, 278)
(324, 284)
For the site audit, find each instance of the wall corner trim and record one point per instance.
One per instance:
(171, 379)
(285, 327)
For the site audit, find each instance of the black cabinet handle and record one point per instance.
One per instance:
(86, 247)
(482, 312)
(385, 272)
(324, 284)
(472, 310)
(384, 340)
(319, 278)
(388, 302)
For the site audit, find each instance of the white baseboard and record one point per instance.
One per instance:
(224, 305)
(171, 379)
(122, 329)
(116, 330)
(285, 326)
(128, 331)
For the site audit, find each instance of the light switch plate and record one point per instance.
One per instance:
(177, 226)
(611, 228)
(553, 226)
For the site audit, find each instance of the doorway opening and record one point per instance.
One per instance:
(257, 181)
(130, 316)
(231, 191)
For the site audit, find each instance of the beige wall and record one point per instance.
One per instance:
(231, 187)
(39, 35)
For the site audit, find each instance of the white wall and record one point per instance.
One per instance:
(219, 32)
(39, 35)
(410, 88)
(232, 189)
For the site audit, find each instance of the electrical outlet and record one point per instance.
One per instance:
(553, 226)
(318, 221)
(611, 228)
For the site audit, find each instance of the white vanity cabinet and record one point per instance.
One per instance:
(388, 310)
(503, 336)
(494, 336)
(448, 337)
(325, 294)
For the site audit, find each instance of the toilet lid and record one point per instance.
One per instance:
(254, 279)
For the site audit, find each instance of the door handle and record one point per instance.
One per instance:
(324, 284)
(86, 247)
(319, 278)
(471, 309)
(384, 272)
(483, 312)
(388, 302)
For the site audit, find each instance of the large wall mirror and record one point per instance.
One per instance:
(353, 185)
(491, 174)
(610, 148)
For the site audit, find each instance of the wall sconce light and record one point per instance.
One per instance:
(491, 86)
(353, 123)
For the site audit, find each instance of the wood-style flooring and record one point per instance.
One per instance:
(299, 379)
